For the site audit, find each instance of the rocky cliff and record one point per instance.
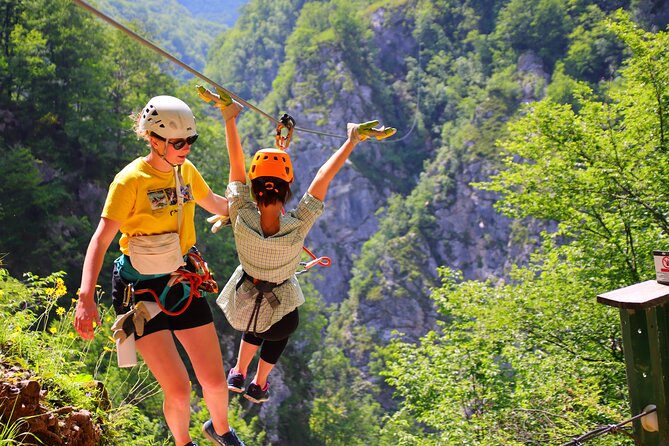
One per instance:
(468, 234)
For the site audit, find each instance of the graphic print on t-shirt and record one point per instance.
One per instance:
(161, 198)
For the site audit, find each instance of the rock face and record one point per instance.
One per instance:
(347, 222)
(478, 240)
(470, 235)
(22, 408)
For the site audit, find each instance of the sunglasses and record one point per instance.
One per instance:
(179, 144)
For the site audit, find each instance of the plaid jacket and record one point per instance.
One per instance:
(273, 259)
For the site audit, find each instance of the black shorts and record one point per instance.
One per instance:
(197, 314)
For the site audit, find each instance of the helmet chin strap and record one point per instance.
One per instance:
(178, 179)
(164, 155)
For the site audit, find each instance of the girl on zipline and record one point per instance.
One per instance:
(262, 296)
(152, 202)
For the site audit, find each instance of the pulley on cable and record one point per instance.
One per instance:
(282, 141)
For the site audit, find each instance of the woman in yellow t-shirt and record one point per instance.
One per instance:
(152, 200)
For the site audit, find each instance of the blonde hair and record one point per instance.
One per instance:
(141, 134)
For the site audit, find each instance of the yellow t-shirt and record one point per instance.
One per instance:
(144, 200)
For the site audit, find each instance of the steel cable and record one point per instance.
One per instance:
(188, 68)
(609, 428)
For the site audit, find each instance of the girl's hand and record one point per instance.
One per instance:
(229, 107)
(360, 132)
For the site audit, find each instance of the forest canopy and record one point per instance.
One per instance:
(554, 111)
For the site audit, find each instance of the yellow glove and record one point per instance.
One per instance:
(218, 221)
(360, 132)
(229, 107)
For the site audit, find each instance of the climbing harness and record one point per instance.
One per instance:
(261, 291)
(194, 283)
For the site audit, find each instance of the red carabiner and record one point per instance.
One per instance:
(323, 261)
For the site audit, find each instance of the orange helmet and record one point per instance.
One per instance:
(271, 163)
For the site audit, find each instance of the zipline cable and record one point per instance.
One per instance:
(188, 68)
(417, 111)
(615, 428)
(324, 261)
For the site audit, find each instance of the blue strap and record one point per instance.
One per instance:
(129, 273)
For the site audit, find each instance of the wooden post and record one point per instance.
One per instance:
(644, 309)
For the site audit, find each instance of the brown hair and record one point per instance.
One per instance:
(269, 190)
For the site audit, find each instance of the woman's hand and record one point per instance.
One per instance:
(86, 317)
(218, 221)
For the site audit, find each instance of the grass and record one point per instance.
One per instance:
(38, 337)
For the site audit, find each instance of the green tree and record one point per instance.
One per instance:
(533, 359)
(530, 362)
(600, 172)
(245, 59)
(66, 97)
(595, 52)
(344, 411)
(170, 25)
(541, 26)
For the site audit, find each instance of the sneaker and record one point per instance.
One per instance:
(257, 395)
(236, 381)
(227, 439)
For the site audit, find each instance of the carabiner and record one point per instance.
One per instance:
(323, 261)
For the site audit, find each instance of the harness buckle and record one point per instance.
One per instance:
(128, 295)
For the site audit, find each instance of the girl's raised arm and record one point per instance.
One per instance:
(229, 109)
(356, 133)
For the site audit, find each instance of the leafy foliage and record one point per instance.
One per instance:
(598, 172)
(171, 26)
(344, 411)
(530, 362)
(39, 335)
(62, 131)
(246, 58)
(526, 360)
(533, 360)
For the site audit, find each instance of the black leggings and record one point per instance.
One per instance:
(274, 340)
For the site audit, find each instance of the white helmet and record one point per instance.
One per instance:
(168, 117)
